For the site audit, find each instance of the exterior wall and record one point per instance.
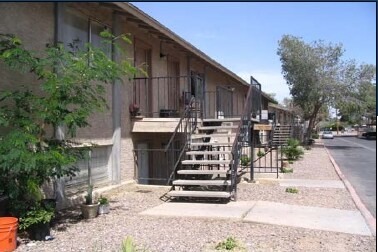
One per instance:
(20, 19)
(157, 158)
(216, 79)
(101, 129)
(103, 125)
(283, 117)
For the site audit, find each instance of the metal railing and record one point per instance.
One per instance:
(186, 126)
(243, 137)
(222, 104)
(168, 96)
(165, 162)
(159, 159)
(267, 159)
(165, 96)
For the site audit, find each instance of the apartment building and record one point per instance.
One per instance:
(133, 136)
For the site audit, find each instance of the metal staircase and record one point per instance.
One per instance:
(206, 170)
(281, 134)
(208, 166)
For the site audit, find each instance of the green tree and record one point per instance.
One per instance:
(313, 74)
(71, 87)
(362, 101)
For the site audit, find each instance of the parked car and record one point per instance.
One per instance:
(327, 135)
(370, 135)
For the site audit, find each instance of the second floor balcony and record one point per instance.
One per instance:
(167, 97)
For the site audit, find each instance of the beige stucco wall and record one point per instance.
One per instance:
(216, 78)
(41, 15)
(22, 20)
(19, 19)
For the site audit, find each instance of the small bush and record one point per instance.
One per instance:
(292, 151)
(260, 154)
(230, 244)
(103, 200)
(286, 170)
(244, 160)
(315, 136)
(128, 245)
(291, 190)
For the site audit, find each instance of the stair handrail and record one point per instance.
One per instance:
(188, 129)
(242, 131)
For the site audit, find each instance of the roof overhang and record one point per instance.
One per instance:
(144, 21)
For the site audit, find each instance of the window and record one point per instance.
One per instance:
(78, 30)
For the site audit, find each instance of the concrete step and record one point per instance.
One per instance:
(196, 136)
(200, 194)
(202, 182)
(205, 162)
(212, 144)
(203, 172)
(218, 127)
(208, 152)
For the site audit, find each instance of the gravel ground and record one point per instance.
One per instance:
(106, 232)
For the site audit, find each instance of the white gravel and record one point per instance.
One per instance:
(106, 232)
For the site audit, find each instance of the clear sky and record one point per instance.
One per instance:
(243, 36)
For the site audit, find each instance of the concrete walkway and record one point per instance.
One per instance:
(327, 219)
(274, 213)
(312, 183)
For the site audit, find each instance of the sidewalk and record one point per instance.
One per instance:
(322, 203)
(322, 216)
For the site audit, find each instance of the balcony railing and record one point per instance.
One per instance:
(165, 96)
(169, 96)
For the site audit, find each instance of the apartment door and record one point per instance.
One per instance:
(143, 163)
(197, 89)
(224, 102)
(173, 83)
(143, 87)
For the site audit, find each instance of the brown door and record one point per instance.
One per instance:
(143, 86)
(173, 83)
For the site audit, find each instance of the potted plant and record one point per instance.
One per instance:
(36, 221)
(104, 207)
(89, 209)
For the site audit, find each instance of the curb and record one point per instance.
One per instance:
(370, 220)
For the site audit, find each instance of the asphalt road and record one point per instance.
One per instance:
(356, 158)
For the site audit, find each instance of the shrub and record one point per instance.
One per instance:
(71, 87)
(103, 200)
(291, 190)
(260, 154)
(36, 215)
(286, 170)
(292, 151)
(128, 245)
(315, 136)
(229, 244)
(244, 160)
